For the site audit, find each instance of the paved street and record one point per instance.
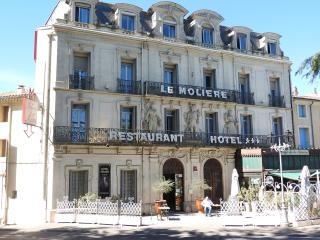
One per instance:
(190, 227)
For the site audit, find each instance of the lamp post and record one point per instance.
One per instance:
(280, 148)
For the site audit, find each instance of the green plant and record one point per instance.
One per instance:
(163, 186)
(89, 197)
(200, 185)
(249, 194)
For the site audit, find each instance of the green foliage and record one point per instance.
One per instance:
(89, 197)
(249, 194)
(163, 186)
(200, 185)
(311, 67)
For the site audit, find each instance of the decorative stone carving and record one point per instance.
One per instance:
(172, 154)
(192, 119)
(230, 123)
(216, 154)
(151, 120)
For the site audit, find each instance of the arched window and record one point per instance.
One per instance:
(207, 34)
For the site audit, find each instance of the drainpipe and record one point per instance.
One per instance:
(45, 127)
(7, 151)
(311, 121)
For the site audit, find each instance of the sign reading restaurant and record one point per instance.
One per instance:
(192, 91)
(178, 138)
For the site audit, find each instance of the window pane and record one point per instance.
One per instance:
(128, 184)
(127, 118)
(78, 184)
(302, 111)
(207, 36)
(128, 22)
(272, 48)
(304, 137)
(241, 41)
(78, 123)
(246, 125)
(169, 31)
(82, 14)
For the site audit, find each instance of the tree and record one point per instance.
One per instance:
(311, 67)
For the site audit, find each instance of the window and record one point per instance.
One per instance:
(170, 74)
(171, 121)
(277, 126)
(104, 181)
(272, 48)
(211, 123)
(3, 148)
(169, 30)
(244, 88)
(275, 98)
(241, 41)
(207, 36)
(127, 76)
(79, 122)
(127, 22)
(302, 111)
(128, 184)
(4, 114)
(82, 14)
(209, 79)
(304, 137)
(81, 79)
(127, 118)
(78, 184)
(246, 124)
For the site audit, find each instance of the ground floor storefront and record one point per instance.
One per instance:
(131, 172)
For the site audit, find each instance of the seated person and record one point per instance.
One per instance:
(207, 205)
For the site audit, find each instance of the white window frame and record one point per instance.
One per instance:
(134, 21)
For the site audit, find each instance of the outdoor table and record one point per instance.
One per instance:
(164, 211)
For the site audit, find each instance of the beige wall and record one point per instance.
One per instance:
(311, 121)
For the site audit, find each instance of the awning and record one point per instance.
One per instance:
(293, 175)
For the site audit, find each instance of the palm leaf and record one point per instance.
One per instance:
(310, 68)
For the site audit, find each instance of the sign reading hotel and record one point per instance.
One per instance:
(191, 91)
(178, 138)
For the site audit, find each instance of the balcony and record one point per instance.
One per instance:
(129, 86)
(196, 92)
(81, 82)
(117, 137)
(276, 101)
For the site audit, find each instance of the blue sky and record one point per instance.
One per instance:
(296, 21)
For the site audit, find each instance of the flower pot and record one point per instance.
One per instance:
(157, 204)
(199, 206)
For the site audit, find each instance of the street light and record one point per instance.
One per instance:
(280, 148)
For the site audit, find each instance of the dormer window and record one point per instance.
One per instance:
(207, 36)
(169, 30)
(127, 22)
(241, 41)
(82, 14)
(272, 48)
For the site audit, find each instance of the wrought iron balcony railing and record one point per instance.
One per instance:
(116, 137)
(196, 92)
(276, 101)
(129, 86)
(81, 82)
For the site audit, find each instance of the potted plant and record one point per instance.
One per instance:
(199, 186)
(161, 187)
(248, 196)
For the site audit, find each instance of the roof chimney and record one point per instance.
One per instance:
(21, 89)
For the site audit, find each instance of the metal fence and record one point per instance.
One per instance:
(100, 211)
(302, 206)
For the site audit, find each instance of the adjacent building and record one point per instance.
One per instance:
(130, 96)
(306, 115)
(21, 168)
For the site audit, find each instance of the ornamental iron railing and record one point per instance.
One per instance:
(197, 92)
(81, 82)
(129, 86)
(116, 137)
(276, 101)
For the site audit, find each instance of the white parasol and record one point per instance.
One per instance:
(235, 189)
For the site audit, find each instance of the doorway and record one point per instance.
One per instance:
(212, 172)
(173, 170)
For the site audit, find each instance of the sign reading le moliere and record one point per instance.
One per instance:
(178, 138)
(193, 91)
